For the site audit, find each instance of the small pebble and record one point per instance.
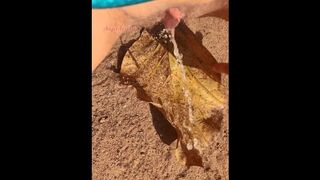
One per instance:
(103, 120)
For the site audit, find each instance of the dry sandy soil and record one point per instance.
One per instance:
(130, 138)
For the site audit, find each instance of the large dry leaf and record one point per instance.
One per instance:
(195, 114)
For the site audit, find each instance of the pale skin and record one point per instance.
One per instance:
(109, 24)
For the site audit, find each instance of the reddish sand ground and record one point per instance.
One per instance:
(131, 139)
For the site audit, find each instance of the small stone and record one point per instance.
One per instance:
(189, 146)
(103, 120)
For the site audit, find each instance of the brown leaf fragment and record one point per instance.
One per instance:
(197, 114)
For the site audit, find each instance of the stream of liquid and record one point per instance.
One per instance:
(185, 88)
